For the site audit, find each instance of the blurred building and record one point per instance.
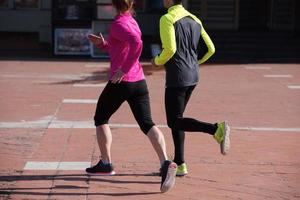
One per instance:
(242, 30)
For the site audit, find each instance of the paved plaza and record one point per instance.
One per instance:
(47, 136)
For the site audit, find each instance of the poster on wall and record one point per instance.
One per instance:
(4, 4)
(72, 41)
(27, 4)
(103, 28)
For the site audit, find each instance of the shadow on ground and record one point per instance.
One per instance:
(71, 190)
(102, 76)
(95, 77)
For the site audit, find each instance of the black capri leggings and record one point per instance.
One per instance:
(176, 99)
(137, 96)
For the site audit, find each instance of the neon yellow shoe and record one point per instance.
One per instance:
(181, 170)
(222, 136)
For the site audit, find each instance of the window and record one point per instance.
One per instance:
(4, 4)
(27, 4)
(73, 10)
(106, 12)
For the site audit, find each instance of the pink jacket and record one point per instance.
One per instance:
(124, 46)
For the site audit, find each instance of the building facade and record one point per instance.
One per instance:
(43, 17)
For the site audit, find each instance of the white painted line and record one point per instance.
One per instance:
(294, 87)
(145, 63)
(56, 165)
(71, 124)
(57, 124)
(81, 101)
(272, 129)
(134, 126)
(89, 85)
(25, 124)
(41, 165)
(52, 76)
(278, 76)
(90, 124)
(40, 123)
(73, 165)
(98, 65)
(257, 67)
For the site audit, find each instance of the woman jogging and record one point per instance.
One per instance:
(126, 83)
(185, 45)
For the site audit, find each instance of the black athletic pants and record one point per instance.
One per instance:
(137, 96)
(176, 99)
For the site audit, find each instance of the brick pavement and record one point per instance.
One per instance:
(37, 126)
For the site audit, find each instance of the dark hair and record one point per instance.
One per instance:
(177, 1)
(123, 5)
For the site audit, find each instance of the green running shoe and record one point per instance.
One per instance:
(222, 137)
(181, 170)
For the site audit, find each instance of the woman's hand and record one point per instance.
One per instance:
(117, 77)
(96, 40)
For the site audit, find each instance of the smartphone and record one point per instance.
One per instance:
(93, 35)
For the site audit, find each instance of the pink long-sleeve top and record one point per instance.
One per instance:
(124, 46)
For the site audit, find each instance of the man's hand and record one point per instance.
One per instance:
(153, 63)
(96, 40)
(117, 77)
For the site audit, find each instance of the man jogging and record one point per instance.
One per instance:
(185, 45)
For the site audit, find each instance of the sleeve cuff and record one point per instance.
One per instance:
(157, 63)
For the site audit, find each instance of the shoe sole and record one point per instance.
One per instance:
(170, 179)
(225, 144)
(181, 175)
(102, 174)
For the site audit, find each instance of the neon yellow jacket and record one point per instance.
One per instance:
(168, 38)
